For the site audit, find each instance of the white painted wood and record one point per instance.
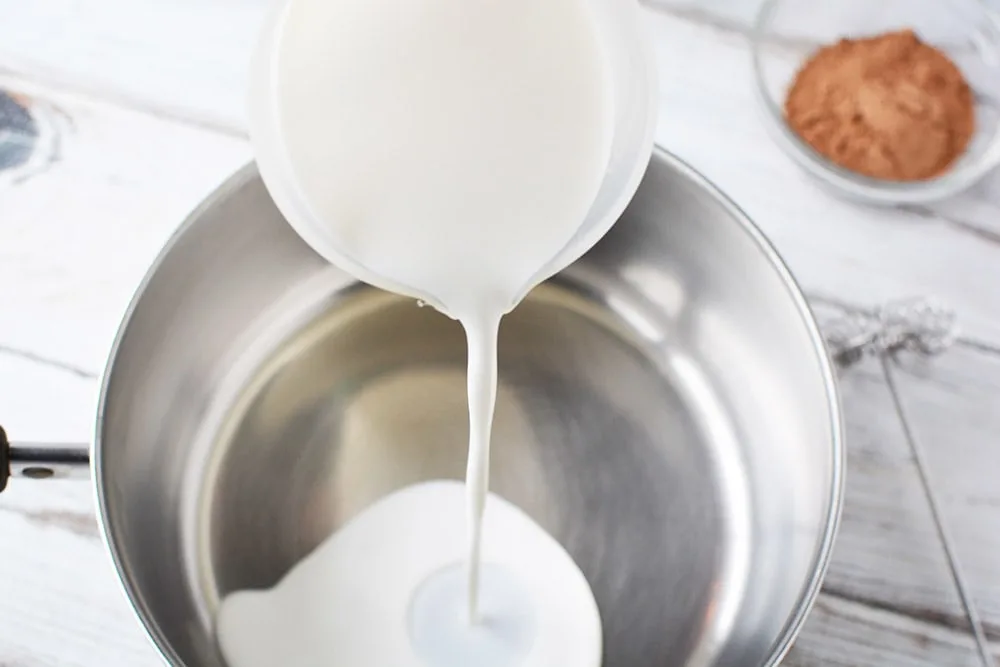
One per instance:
(76, 238)
(953, 403)
(44, 404)
(187, 59)
(178, 57)
(739, 15)
(856, 254)
(61, 605)
(841, 633)
(887, 553)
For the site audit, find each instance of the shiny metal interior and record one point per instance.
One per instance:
(666, 411)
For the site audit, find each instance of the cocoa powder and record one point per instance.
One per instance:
(890, 107)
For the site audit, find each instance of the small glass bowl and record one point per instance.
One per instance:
(787, 32)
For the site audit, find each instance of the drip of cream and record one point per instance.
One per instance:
(453, 147)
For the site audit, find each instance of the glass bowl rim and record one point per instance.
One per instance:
(854, 185)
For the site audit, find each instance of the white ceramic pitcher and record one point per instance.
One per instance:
(634, 86)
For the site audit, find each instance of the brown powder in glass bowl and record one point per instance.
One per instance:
(888, 107)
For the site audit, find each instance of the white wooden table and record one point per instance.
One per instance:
(136, 108)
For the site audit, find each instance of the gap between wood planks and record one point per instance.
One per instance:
(85, 373)
(22, 86)
(43, 92)
(182, 118)
(972, 620)
(734, 29)
(954, 562)
(864, 254)
(848, 634)
(27, 355)
(83, 524)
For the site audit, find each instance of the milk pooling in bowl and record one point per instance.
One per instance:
(448, 150)
(387, 590)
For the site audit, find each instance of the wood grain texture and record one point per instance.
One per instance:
(139, 104)
(61, 605)
(79, 234)
(737, 16)
(842, 633)
(177, 58)
(888, 597)
(953, 403)
(855, 254)
(44, 404)
(887, 553)
(187, 60)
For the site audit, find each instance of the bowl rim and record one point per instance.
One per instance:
(845, 181)
(824, 551)
(238, 181)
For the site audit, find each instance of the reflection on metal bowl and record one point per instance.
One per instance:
(666, 411)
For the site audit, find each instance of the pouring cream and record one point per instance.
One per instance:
(452, 148)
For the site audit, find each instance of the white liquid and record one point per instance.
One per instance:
(453, 147)
(369, 596)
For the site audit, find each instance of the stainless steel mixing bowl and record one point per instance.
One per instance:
(666, 411)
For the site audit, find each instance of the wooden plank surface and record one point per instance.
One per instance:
(887, 553)
(128, 51)
(138, 106)
(953, 406)
(61, 605)
(857, 255)
(183, 58)
(79, 236)
(888, 597)
(841, 633)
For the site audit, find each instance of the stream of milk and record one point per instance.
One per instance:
(455, 147)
